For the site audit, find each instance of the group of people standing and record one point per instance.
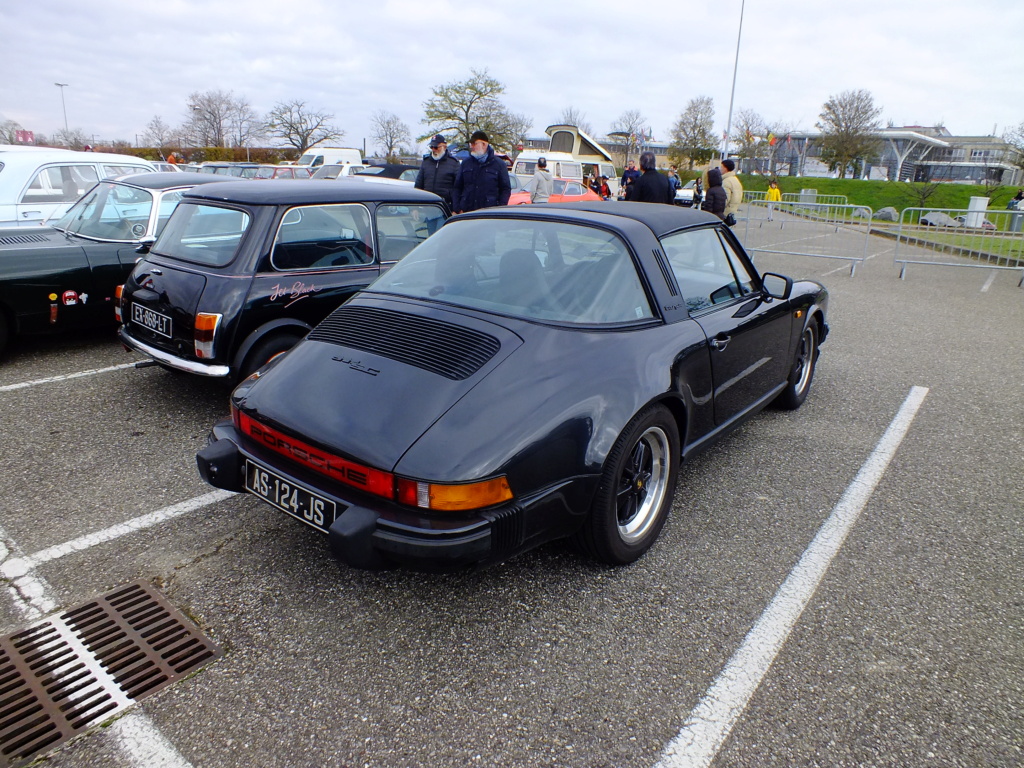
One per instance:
(482, 181)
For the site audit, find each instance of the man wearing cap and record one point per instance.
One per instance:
(543, 183)
(438, 169)
(482, 180)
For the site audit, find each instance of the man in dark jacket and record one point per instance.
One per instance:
(651, 187)
(482, 180)
(438, 169)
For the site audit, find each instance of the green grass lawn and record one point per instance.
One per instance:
(882, 194)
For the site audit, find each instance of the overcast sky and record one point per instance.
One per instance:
(949, 61)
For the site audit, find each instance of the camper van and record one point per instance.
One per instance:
(572, 154)
(314, 157)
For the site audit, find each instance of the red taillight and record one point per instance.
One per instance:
(448, 497)
(118, 291)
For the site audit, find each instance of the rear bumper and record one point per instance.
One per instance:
(374, 533)
(171, 361)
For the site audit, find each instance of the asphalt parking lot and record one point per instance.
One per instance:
(908, 652)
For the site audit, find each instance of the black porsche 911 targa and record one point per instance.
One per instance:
(526, 374)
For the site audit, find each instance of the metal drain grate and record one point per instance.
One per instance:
(69, 672)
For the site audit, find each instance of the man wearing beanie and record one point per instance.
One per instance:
(482, 180)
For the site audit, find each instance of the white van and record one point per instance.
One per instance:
(314, 157)
(44, 183)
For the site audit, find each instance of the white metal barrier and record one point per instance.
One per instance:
(980, 239)
(823, 230)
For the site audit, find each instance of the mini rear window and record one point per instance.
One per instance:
(203, 234)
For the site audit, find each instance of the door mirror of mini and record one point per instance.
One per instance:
(145, 244)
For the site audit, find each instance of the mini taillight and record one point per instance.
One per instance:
(118, 291)
(206, 330)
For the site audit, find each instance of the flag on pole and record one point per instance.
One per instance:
(771, 139)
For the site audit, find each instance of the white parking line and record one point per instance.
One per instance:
(139, 740)
(711, 721)
(22, 567)
(65, 377)
(988, 283)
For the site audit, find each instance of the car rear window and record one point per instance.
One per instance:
(538, 270)
(203, 234)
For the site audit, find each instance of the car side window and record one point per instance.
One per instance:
(110, 171)
(705, 268)
(323, 237)
(400, 228)
(573, 188)
(60, 184)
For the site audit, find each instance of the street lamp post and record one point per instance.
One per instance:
(62, 86)
(732, 95)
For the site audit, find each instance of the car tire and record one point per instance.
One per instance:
(4, 332)
(636, 491)
(266, 350)
(802, 372)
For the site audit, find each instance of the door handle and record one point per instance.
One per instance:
(720, 342)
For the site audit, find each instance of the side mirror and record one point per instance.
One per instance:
(776, 286)
(145, 244)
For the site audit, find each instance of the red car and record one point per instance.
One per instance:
(565, 191)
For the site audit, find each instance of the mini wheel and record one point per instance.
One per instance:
(266, 350)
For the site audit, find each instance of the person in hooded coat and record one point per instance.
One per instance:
(714, 195)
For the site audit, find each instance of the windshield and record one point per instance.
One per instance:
(109, 211)
(203, 234)
(537, 270)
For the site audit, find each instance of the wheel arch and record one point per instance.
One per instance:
(279, 326)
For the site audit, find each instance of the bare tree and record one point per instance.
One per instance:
(693, 134)
(848, 123)
(9, 130)
(459, 108)
(573, 116)
(73, 138)
(749, 133)
(208, 124)
(390, 134)
(158, 133)
(244, 124)
(630, 127)
(296, 125)
(1015, 138)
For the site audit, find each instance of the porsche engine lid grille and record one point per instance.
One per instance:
(72, 671)
(446, 349)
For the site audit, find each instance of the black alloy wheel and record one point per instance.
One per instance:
(799, 383)
(636, 490)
